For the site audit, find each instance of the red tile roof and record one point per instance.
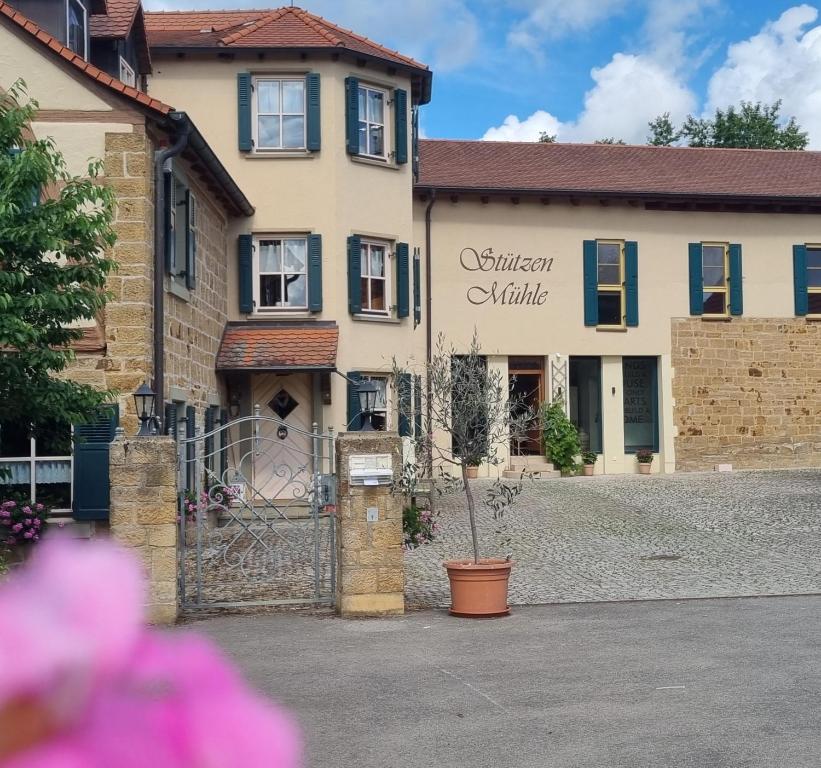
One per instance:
(604, 169)
(95, 73)
(285, 346)
(117, 21)
(272, 28)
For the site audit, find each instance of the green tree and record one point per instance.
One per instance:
(55, 230)
(610, 140)
(547, 138)
(750, 126)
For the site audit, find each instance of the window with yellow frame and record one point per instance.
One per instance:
(610, 282)
(715, 269)
(814, 280)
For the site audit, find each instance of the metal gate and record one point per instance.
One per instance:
(256, 513)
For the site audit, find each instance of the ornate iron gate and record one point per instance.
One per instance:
(257, 525)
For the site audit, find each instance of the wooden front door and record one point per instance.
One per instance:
(526, 385)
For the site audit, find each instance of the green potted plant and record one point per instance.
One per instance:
(560, 438)
(469, 405)
(588, 462)
(645, 459)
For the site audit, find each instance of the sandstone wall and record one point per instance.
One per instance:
(747, 392)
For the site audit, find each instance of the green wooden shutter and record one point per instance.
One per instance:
(354, 423)
(171, 419)
(190, 448)
(190, 241)
(352, 115)
(415, 142)
(245, 93)
(91, 488)
(402, 280)
(631, 282)
(315, 273)
(170, 205)
(591, 285)
(223, 445)
(313, 130)
(405, 403)
(210, 418)
(400, 113)
(736, 285)
(696, 279)
(354, 274)
(417, 406)
(417, 288)
(245, 246)
(799, 265)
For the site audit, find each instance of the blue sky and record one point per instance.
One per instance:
(586, 69)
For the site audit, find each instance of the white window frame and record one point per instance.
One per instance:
(255, 113)
(33, 460)
(387, 408)
(84, 52)
(127, 73)
(255, 261)
(386, 104)
(368, 243)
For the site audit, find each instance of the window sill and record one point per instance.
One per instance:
(180, 291)
(372, 161)
(275, 154)
(377, 319)
(611, 329)
(716, 318)
(283, 314)
(812, 318)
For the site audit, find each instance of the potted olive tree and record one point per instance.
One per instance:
(470, 420)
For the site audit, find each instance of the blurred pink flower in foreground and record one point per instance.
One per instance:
(83, 684)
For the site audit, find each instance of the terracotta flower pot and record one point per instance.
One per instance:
(479, 590)
(644, 468)
(587, 470)
(472, 472)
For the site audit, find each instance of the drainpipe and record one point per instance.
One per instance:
(182, 127)
(429, 329)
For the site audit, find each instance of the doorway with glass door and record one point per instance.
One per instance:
(526, 388)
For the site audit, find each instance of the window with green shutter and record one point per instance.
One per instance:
(715, 279)
(610, 276)
(807, 279)
(354, 412)
(244, 96)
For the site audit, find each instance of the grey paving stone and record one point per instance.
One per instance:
(632, 537)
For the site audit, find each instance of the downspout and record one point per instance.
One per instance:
(183, 130)
(429, 329)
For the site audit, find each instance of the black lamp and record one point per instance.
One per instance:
(367, 401)
(144, 399)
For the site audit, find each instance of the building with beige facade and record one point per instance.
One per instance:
(296, 237)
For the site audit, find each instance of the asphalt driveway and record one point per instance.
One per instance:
(627, 537)
(689, 684)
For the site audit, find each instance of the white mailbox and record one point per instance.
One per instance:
(376, 469)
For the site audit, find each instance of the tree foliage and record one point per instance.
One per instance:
(750, 126)
(54, 232)
(610, 140)
(547, 138)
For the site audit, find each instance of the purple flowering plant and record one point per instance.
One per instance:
(418, 527)
(190, 502)
(21, 521)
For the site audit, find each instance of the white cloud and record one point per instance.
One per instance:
(783, 61)
(558, 18)
(629, 91)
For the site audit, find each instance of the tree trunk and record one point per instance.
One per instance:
(471, 514)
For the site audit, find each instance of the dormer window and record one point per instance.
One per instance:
(77, 28)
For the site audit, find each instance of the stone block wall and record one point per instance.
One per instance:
(194, 325)
(143, 514)
(747, 392)
(123, 360)
(370, 559)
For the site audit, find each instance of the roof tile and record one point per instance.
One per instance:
(606, 169)
(278, 347)
(288, 27)
(117, 21)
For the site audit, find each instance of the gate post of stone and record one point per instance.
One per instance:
(143, 514)
(370, 578)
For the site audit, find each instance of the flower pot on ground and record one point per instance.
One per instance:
(645, 461)
(588, 463)
(469, 403)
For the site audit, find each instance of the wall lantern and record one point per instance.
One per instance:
(367, 402)
(144, 403)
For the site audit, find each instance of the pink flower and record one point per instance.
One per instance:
(61, 524)
(17, 527)
(4, 512)
(28, 535)
(37, 522)
(27, 510)
(39, 507)
(27, 521)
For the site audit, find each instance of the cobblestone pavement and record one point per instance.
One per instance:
(631, 537)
